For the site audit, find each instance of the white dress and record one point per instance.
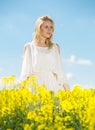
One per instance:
(45, 63)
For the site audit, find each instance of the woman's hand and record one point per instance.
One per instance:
(66, 86)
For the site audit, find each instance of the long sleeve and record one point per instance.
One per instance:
(26, 63)
(59, 71)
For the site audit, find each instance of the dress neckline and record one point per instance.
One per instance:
(39, 46)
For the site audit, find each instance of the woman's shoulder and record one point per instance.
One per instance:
(56, 45)
(27, 44)
(27, 47)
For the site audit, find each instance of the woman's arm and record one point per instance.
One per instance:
(65, 85)
(27, 63)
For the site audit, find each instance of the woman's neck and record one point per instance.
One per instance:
(41, 42)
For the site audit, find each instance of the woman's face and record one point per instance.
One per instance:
(46, 29)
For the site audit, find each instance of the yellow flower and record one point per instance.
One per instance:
(41, 127)
(5, 80)
(24, 84)
(45, 109)
(31, 115)
(27, 127)
(67, 118)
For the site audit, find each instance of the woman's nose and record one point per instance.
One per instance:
(50, 29)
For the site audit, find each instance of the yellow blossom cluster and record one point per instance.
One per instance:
(28, 106)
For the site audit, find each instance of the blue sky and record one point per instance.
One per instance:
(74, 32)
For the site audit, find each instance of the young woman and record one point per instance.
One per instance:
(42, 57)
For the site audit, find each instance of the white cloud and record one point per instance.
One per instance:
(73, 59)
(84, 62)
(69, 75)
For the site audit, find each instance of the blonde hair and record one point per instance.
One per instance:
(38, 25)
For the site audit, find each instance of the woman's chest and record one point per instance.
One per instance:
(43, 57)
